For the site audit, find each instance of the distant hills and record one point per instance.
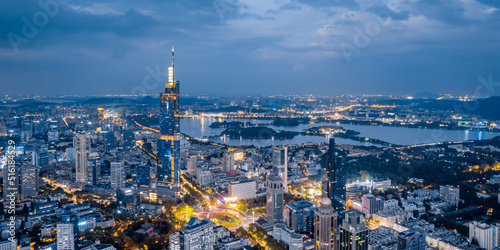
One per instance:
(488, 108)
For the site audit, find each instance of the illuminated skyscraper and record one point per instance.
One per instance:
(81, 142)
(325, 226)
(280, 161)
(274, 197)
(334, 177)
(169, 143)
(117, 175)
(29, 181)
(353, 232)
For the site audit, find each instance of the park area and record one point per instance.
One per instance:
(226, 219)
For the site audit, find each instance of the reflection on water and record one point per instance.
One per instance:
(398, 135)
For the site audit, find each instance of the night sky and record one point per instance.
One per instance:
(249, 47)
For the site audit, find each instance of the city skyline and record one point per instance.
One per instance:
(322, 124)
(251, 47)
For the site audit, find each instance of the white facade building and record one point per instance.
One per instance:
(242, 189)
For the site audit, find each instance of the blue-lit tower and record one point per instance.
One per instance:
(168, 173)
(334, 177)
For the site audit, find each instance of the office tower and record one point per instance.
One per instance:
(169, 142)
(41, 157)
(117, 175)
(81, 142)
(65, 236)
(128, 139)
(280, 160)
(274, 197)
(299, 216)
(334, 177)
(353, 232)
(39, 128)
(26, 132)
(198, 235)
(11, 183)
(127, 197)
(483, 235)
(243, 189)
(228, 161)
(325, 226)
(70, 154)
(29, 181)
(203, 175)
(94, 168)
(191, 165)
(371, 204)
(110, 141)
(449, 194)
(411, 240)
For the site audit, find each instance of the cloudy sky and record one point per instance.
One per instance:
(249, 47)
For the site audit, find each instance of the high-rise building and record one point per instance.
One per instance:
(94, 168)
(191, 165)
(274, 197)
(411, 240)
(117, 175)
(198, 235)
(127, 197)
(228, 161)
(353, 232)
(371, 204)
(169, 142)
(280, 161)
(175, 241)
(334, 177)
(299, 216)
(70, 154)
(325, 226)
(29, 181)
(449, 194)
(293, 240)
(110, 139)
(65, 236)
(40, 157)
(26, 132)
(81, 142)
(242, 189)
(483, 235)
(128, 139)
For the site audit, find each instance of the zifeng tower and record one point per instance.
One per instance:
(168, 171)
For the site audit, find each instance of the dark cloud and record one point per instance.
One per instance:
(252, 46)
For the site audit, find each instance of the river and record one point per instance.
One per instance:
(197, 127)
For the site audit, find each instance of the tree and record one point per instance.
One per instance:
(183, 212)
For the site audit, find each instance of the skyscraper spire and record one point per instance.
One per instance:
(171, 81)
